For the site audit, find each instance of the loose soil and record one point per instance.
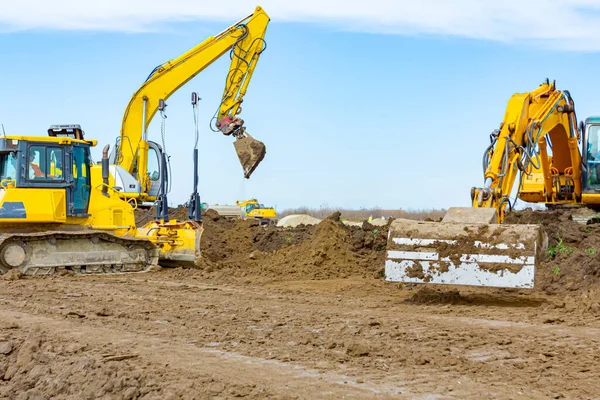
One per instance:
(304, 313)
(330, 249)
(572, 264)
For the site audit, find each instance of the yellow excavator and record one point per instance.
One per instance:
(555, 161)
(59, 209)
(253, 209)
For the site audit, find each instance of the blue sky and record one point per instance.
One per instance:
(356, 110)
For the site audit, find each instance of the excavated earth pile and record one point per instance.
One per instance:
(572, 261)
(329, 249)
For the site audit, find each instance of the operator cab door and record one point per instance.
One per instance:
(591, 159)
(78, 192)
(154, 168)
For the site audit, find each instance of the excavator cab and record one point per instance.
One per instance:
(57, 170)
(591, 154)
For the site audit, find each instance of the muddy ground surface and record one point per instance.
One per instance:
(304, 313)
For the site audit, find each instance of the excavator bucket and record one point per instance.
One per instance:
(250, 152)
(465, 248)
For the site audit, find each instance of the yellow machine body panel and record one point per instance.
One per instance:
(39, 205)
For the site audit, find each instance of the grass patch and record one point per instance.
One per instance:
(559, 248)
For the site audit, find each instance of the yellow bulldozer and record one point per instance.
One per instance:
(59, 209)
(555, 161)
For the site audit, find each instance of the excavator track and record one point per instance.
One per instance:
(96, 252)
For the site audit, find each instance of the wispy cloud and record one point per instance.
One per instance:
(564, 24)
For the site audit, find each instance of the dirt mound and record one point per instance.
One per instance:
(272, 239)
(572, 262)
(326, 250)
(294, 220)
(332, 249)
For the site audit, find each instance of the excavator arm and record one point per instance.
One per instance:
(245, 42)
(531, 122)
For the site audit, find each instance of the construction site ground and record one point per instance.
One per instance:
(304, 313)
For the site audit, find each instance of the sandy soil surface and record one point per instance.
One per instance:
(317, 326)
(175, 334)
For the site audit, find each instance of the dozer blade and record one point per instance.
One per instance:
(178, 241)
(250, 152)
(474, 252)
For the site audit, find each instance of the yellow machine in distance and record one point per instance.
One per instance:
(253, 209)
(554, 160)
(59, 209)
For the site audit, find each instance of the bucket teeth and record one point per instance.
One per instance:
(463, 254)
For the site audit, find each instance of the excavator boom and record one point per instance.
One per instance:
(245, 42)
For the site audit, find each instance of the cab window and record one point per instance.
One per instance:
(44, 163)
(81, 177)
(153, 169)
(8, 166)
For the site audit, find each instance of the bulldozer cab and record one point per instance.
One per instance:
(44, 163)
